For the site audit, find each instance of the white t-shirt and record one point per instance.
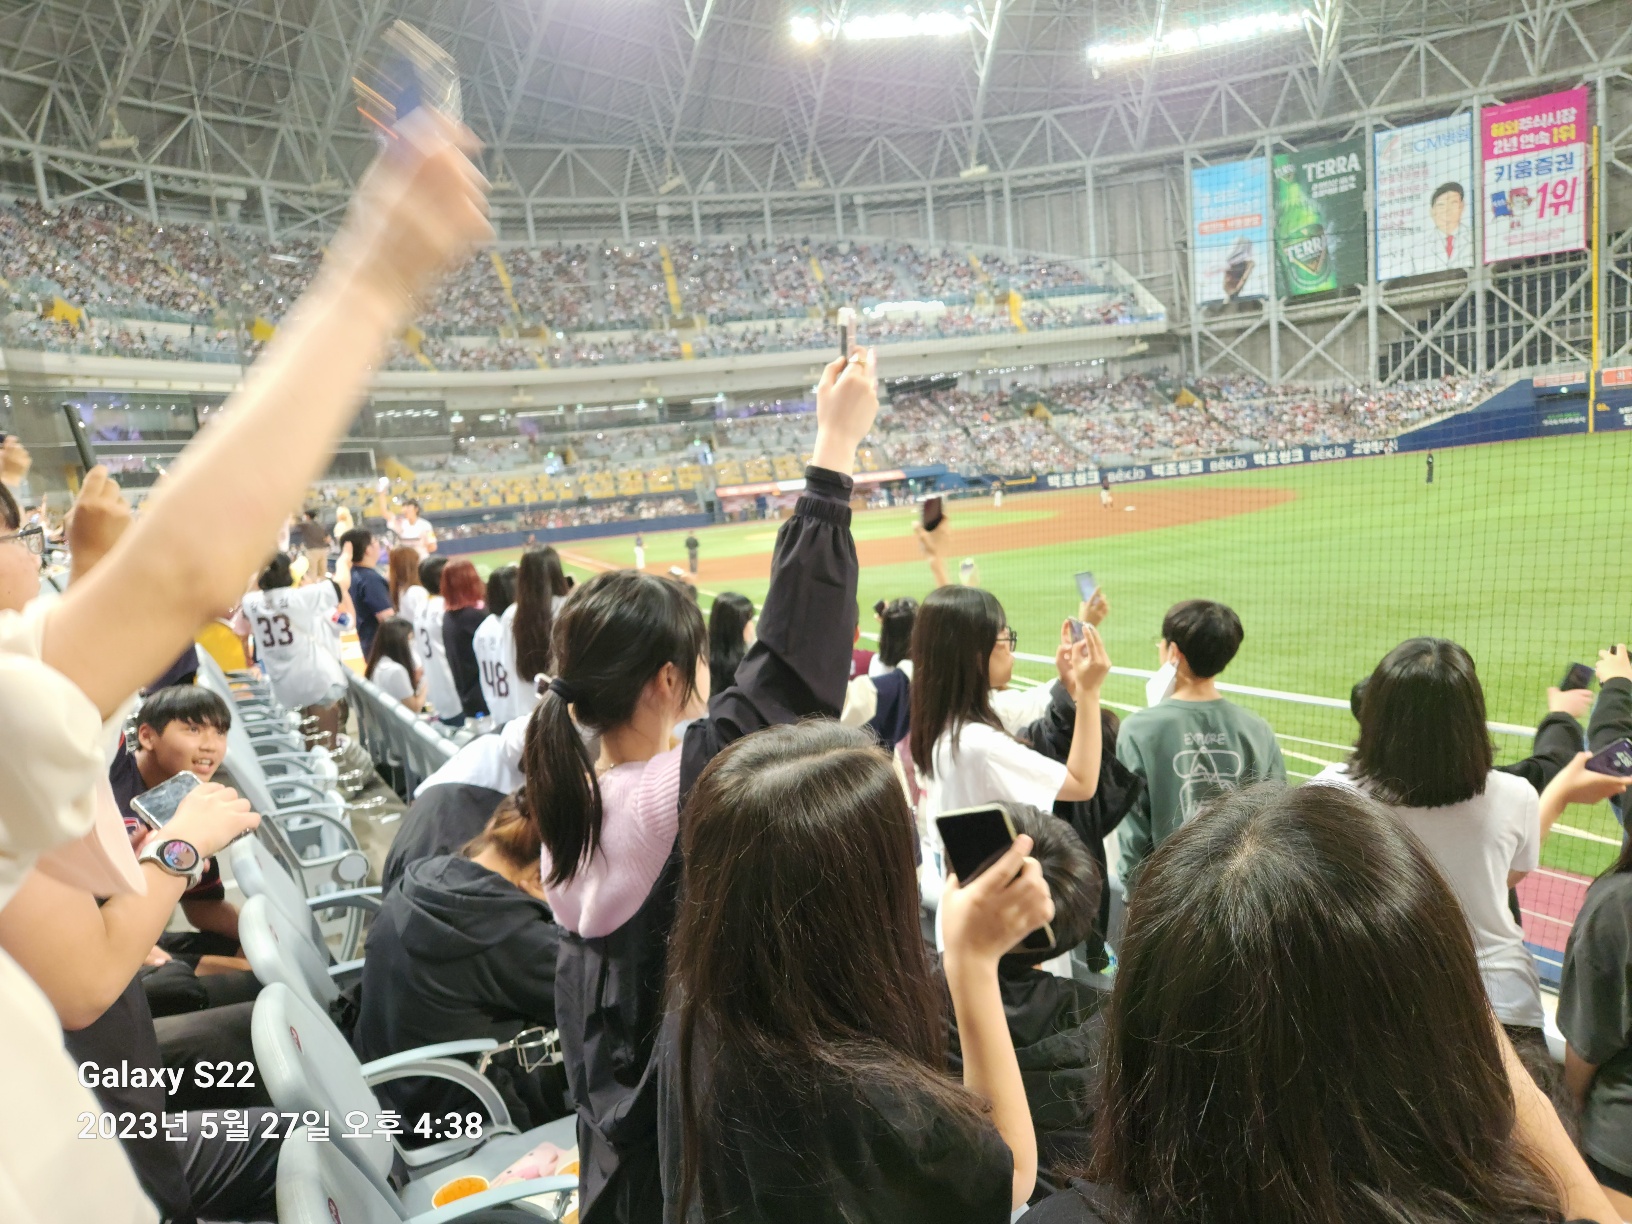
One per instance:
(417, 535)
(983, 765)
(294, 640)
(394, 679)
(1475, 844)
(414, 600)
(439, 685)
(493, 761)
(508, 696)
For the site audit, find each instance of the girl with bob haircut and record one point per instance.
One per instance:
(629, 657)
(463, 599)
(730, 633)
(1298, 1035)
(804, 1064)
(963, 649)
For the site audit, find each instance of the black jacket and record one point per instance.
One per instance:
(1057, 1030)
(458, 951)
(609, 988)
(1095, 818)
(1558, 739)
(1611, 720)
(440, 821)
(459, 639)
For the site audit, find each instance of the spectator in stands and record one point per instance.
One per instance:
(20, 559)
(962, 650)
(629, 666)
(541, 589)
(181, 728)
(1424, 751)
(463, 595)
(414, 532)
(440, 688)
(1594, 1003)
(730, 633)
(1283, 930)
(799, 1079)
(880, 699)
(495, 646)
(315, 542)
(402, 575)
(1055, 1021)
(895, 621)
(465, 947)
(1193, 744)
(370, 593)
(297, 640)
(392, 666)
(343, 522)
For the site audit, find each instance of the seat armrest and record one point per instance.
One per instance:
(348, 898)
(442, 1049)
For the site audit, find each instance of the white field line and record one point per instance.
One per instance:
(1572, 831)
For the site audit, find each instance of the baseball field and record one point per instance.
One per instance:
(1515, 551)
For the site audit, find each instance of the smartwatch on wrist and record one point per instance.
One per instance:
(174, 857)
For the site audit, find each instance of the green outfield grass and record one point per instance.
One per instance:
(1514, 551)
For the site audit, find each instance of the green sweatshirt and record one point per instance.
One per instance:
(1187, 752)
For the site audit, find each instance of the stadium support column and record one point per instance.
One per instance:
(1479, 275)
(1008, 218)
(1595, 195)
(1272, 303)
(696, 219)
(929, 213)
(527, 216)
(1373, 288)
(838, 215)
(40, 191)
(766, 201)
(1190, 281)
(623, 218)
(1090, 244)
(153, 203)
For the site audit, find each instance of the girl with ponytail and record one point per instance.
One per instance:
(629, 657)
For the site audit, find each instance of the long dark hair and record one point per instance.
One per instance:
(614, 634)
(777, 1001)
(1423, 740)
(895, 622)
(392, 640)
(403, 571)
(501, 590)
(539, 581)
(727, 620)
(1298, 1032)
(952, 642)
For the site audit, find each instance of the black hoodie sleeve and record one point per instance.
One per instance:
(1558, 739)
(1611, 715)
(1051, 735)
(801, 662)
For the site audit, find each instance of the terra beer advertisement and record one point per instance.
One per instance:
(1535, 175)
(1320, 218)
(1424, 194)
(1229, 206)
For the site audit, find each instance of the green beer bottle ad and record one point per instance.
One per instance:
(1319, 219)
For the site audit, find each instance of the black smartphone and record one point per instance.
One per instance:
(82, 441)
(933, 514)
(977, 837)
(1579, 676)
(158, 805)
(847, 329)
(1086, 586)
(1615, 760)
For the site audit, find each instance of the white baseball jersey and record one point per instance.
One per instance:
(413, 602)
(508, 696)
(295, 640)
(439, 685)
(418, 535)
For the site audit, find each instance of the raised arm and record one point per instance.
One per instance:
(419, 210)
(800, 663)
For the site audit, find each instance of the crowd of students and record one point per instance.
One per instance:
(707, 854)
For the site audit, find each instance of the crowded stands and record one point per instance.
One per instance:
(810, 934)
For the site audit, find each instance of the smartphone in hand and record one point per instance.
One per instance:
(155, 807)
(1615, 760)
(1086, 586)
(933, 513)
(1075, 626)
(977, 837)
(847, 329)
(82, 441)
(1579, 676)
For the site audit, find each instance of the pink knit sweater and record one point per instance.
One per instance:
(640, 814)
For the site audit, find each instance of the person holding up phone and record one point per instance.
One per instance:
(963, 650)
(803, 1060)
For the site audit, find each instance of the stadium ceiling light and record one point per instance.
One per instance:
(1197, 37)
(808, 30)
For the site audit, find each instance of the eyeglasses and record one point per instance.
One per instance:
(1010, 636)
(31, 538)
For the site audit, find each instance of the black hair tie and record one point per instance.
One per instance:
(563, 690)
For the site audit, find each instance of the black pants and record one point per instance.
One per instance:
(213, 1036)
(231, 1180)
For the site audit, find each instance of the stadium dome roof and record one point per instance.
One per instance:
(611, 99)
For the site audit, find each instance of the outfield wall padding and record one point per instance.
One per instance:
(561, 535)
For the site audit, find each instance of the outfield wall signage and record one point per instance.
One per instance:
(1424, 197)
(1535, 175)
(1229, 231)
(1291, 456)
(1320, 218)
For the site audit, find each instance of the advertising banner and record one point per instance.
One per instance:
(1535, 175)
(1229, 237)
(1423, 192)
(1320, 218)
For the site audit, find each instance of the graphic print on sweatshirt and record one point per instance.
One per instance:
(1206, 768)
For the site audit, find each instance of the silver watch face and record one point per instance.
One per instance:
(178, 856)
